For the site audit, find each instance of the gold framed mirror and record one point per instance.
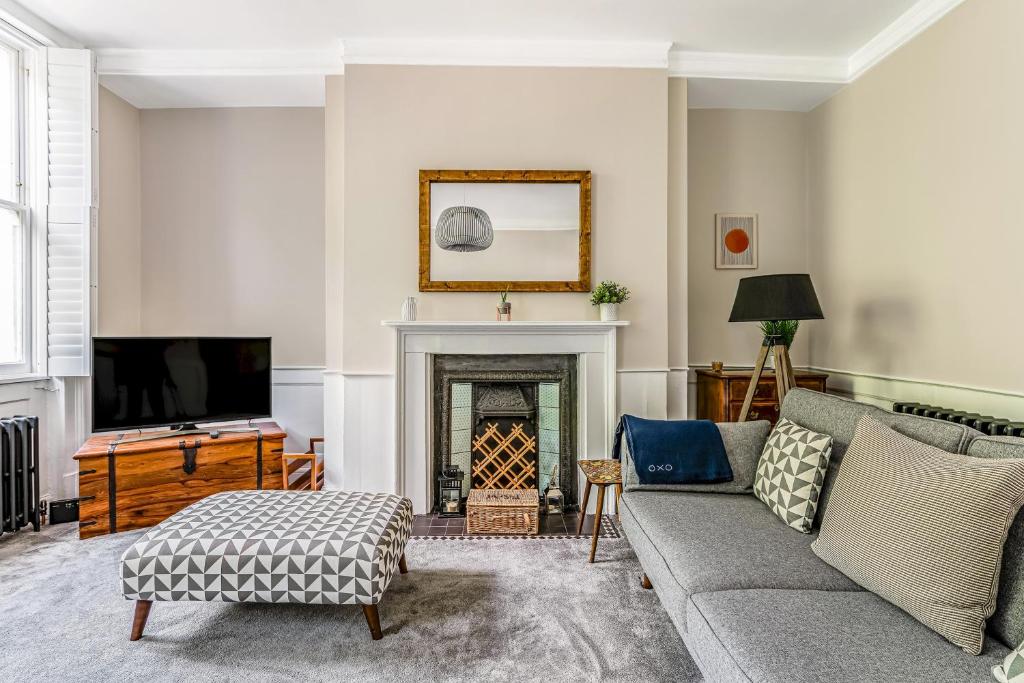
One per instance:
(487, 231)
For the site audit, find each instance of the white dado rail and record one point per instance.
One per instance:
(592, 342)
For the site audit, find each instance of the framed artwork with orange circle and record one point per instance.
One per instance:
(735, 240)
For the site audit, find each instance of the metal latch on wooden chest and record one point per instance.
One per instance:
(189, 464)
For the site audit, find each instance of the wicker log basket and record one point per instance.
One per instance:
(503, 511)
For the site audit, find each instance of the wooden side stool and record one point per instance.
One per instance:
(313, 479)
(602, 474)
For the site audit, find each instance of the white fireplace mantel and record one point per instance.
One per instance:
(510, 327)
(593, 342)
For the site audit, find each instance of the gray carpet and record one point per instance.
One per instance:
(496, 610)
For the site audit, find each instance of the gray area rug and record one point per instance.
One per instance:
(496, 610)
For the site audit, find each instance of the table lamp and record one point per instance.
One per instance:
(774, 298)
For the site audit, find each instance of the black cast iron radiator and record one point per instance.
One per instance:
(994, 426)
(19, 473)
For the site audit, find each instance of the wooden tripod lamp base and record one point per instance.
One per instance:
(784, 378)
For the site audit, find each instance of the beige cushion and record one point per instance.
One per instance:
(922, 528)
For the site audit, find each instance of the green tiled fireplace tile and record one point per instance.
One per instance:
(549, 418)
(462, 395)
(548, 397)
(549, 439)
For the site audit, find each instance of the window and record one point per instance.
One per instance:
(16, 248)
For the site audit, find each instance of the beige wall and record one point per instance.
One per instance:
(915, 207)
(119, 282)
(398, 120)
(334, 255)
(678, 220)
(233, 226)
(743, 161)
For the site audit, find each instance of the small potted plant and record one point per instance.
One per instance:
(608, 295)
(505, 307)
(781, 331)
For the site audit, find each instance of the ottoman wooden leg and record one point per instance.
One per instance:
(645, 582)
(373, 621)
(141, 615)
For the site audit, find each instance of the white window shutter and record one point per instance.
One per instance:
(70, 208)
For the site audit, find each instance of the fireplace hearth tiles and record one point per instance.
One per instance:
(558, 526)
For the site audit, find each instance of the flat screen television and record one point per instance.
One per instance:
(178, 381)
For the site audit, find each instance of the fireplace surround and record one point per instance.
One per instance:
(591, 342)
(477, 395)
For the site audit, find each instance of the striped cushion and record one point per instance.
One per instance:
(922, 528)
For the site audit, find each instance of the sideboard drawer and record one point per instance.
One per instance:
(765, 391)
(758, 411)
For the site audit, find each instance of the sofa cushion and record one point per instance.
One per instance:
(838, 417)
(836, 636)
(671, 595)
(743, 443)
(791, 472)
(711, 542)
(1007, 623)
(996, 447)
(1011, 669)
(922, 528)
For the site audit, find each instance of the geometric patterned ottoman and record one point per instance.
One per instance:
(332, 547)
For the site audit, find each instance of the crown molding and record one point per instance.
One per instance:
(758, 67)
(914, 21)
(128, 69)
(563, 53)
(31, 25)
(549, 53)
(125, 62)
(755, 67)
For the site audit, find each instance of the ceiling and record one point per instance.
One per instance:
(731, 93)
(809, 41)
(781, 27)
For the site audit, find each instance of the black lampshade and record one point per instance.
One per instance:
(775, 297)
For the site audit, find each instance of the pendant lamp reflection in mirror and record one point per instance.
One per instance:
(464, 228)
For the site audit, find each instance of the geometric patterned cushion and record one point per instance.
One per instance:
(791, 472)
(1012, 668)
(330, 547)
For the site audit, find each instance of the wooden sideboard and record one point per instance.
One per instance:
(136, 485)
(720, 394)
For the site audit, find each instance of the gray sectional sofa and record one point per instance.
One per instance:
(753, 603)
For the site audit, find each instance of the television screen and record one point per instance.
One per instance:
(164, 381)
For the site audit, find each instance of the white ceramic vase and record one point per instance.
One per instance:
(409, 309)
(609, 312)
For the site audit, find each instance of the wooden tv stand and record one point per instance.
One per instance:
(138, 484)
